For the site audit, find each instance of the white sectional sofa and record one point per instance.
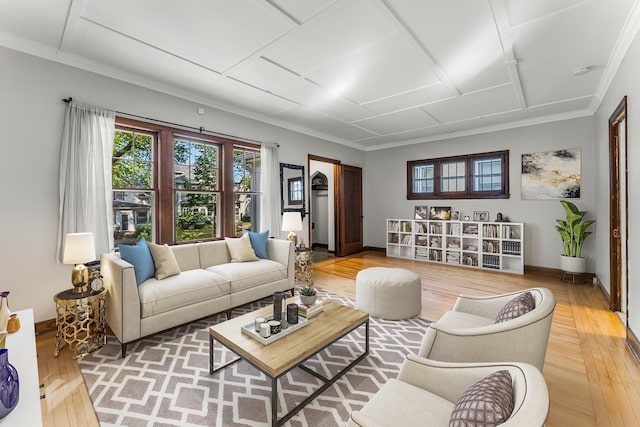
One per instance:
(208, 283)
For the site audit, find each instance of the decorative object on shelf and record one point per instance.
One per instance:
(551, 174)
(292, 222)
(440, 212)
(573, 232)
(265, 330)
(481, 215)
(292, 313)
(278, 298)
(79, 248)
(275, 326)
(5, 313)
(13, 325)
(499, 217)
(455, 215)
(259, 321)
(467, 218)
(9, 384)
(96, 284)
(308, 295)
(421, 212)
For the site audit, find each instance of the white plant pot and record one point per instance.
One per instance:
(571, 264)
(308, 299)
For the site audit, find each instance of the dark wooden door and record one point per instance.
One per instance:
(349, 209)
(616, 240)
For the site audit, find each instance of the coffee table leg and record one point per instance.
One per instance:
(211, 370)
(274, 402)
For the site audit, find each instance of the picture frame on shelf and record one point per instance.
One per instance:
(455, 215)
(440, 212)
(421, 212)
(481, 215)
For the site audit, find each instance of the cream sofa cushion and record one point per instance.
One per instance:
(213, 253)
(250, 274)
(187, 256)
(188, 287)
(240, 249)
(412, 406)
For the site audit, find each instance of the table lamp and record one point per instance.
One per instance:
(292, 222)
(78, 249)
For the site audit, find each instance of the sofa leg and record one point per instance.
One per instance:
(123, 349)
(229, 314)
(293, 292)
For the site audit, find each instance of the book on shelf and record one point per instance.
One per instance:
(308, 311)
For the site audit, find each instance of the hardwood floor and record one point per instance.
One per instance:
(593, 378)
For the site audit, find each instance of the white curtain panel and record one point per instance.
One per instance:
(270, 199)
(85, 175)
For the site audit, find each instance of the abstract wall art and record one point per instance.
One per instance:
(551, 174)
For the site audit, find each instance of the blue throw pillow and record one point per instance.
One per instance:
(258, 242)
(139, 256)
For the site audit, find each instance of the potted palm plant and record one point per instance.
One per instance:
(574, 232)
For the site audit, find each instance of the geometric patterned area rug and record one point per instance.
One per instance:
(164, 380)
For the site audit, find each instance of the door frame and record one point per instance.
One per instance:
(615, 239)
(335, 162)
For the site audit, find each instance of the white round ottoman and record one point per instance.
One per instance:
(389, 293)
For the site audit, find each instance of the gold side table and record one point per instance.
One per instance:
(304, 265)
(80, 321)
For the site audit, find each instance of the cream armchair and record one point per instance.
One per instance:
(469, 333)
(426, 391)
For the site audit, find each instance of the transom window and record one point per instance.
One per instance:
(473, 176)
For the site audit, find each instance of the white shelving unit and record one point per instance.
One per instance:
(488, 245)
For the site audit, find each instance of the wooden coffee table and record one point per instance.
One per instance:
(279, 357)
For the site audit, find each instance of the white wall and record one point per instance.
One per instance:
(625, 83)
(32, 115)
(386, 184)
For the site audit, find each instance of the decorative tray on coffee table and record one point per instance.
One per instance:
(249, 329)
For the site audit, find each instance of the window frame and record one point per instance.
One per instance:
(164, 206)
(469, 193)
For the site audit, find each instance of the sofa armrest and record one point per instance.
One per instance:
(122, 304)
(450, 380)
(282, 251)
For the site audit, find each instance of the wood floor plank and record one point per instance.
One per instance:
(593, 379)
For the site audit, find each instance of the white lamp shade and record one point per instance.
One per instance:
(291, 221)
(79, 248)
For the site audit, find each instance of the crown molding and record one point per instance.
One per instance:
(487, 129)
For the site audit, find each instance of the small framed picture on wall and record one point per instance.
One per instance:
(455, 215)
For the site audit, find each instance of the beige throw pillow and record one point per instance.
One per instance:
(240, 249)
(164, 260)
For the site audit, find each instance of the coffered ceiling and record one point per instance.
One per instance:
(370, 74)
